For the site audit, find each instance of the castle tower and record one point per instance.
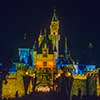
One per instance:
(41, 38)
(67, 53)
(66, 48)
(54, 27)
(54, 30)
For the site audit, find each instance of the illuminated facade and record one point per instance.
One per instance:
(44, 60)
(47, 65)
(23, 55)
(54, 33)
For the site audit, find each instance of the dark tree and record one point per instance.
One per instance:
(26, 82)
(34, 80)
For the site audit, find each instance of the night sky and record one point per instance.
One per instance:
(79, 21)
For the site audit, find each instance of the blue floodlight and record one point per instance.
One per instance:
(90, 67)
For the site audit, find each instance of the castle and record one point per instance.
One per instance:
(42, 65)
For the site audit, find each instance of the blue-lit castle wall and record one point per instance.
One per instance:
(78, 68)
(24, 55)
(82, 68)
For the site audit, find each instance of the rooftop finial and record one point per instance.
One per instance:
(54, 18)
(54, 10)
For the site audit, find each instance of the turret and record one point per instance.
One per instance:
(54, 30)
(40, 39)
(66, 48)
(54, 26)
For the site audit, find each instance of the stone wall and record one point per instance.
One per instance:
(79, 84)
(86, 85)
(15, 83)
(12, 84)
(9, 87)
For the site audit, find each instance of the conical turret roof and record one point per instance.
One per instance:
(54, 18)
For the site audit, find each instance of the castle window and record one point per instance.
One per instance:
(44, 63)
(45, 53)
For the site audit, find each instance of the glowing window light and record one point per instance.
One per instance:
(58, 75)
(43, 89)
(68, 74)
(33, 75)
(26, 73)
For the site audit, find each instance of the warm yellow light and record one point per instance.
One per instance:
(68, 74)
(26, 73)
(59, 75)
(60, 71)
(43, 89)
(33, 75)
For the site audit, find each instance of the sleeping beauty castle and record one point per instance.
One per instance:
(41, 68)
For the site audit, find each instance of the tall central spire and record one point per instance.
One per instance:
(54, 18)
(54, 33)
(66, 45)
(54, 27)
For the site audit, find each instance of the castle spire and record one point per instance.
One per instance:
(45, 32)
(54, 32)
(66, 47)
(54, 18)
(54, 26)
